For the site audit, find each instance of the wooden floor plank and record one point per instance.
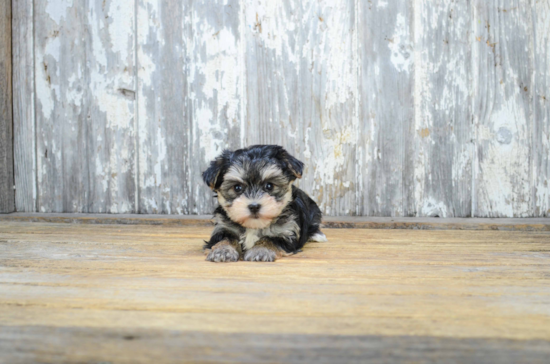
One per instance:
(199, 347)
(383, 293)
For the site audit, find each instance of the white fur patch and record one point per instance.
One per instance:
(319, 238)
(249, 238)
(256, 223)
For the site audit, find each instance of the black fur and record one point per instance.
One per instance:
(274, 154)
(301, 211)
(309, 216)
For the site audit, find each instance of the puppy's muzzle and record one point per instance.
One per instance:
(254, 208)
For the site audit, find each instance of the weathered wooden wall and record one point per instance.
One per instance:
(7, 203)
(415, 108)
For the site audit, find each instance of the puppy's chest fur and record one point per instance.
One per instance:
(285, 228)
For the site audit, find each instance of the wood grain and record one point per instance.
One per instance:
(216, 84)
(162, 96)
(85, 84)
(124, 287)
(541, 126)
(301, 72)
(332, 222)
(129, 345)
(502, 108)
(443, 134)
(397, 108)
(23, 106)
(7, 195)
(387, 109)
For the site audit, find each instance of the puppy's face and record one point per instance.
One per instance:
(254, 185)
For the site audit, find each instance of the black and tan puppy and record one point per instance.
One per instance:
(261, 216)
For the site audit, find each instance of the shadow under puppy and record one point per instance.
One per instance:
(261, 216)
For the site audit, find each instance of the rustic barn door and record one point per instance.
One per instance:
(415, 108)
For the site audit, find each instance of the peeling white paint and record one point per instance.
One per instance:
(333, 155)
(502, 162)
(210, 133)
(432, 208)
(341, 81)
(44, 91)
(57, 9)
(219, 69)
(400, 45)
(121, 19)
(311, 76)
(270, 21)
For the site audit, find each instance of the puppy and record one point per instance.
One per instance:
(261, 216)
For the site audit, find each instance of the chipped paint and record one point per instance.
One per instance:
(400, 46)
(396, 108)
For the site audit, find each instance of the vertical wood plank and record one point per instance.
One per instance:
(301, 69)
(215, 90)
(189, 99)
(163, 123)
(7, 198)
(442, 133)
(541, 128)
(387, 108)
(85, 87)
(23, 106)
(502, 111)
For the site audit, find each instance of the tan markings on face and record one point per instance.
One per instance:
(256, 223)
(238, 211)
(222, 201)
(271, 208)
(234, 173)
(270, 172)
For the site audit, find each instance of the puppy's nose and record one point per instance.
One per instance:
(254, 207)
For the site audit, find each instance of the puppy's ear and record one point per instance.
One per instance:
(293, 165)
(213, 175)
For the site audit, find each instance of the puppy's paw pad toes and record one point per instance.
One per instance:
(260, 255)
(223, 255)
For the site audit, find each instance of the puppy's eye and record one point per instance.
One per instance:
(238, 188)
(268, 186)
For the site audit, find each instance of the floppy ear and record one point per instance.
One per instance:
(294, 166)
(213, 175)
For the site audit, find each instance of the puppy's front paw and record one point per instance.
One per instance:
(260, 254)
(225, 253)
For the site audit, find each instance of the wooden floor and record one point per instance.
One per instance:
(77, 293)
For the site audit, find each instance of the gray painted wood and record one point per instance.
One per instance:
(442, 128)
(301, 69)
(162, 96)
(397, 108)
(7, 203)
(541, 127)
(85, 86)
(386, 161)
(503, 67)
(541, 224)
(189, 99)
(23, 105)
(216, 82)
